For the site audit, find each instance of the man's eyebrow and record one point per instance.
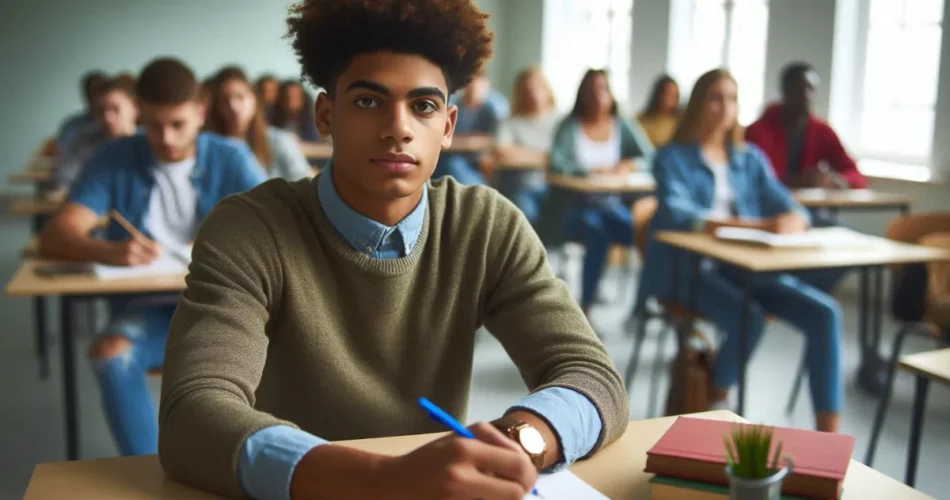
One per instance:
(427, 92)
(368, 85)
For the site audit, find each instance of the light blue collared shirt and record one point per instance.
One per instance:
(269, 456)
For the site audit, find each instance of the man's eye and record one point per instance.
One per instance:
(425, 107)
(366, 102)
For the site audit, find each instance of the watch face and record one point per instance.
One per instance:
(531, 440)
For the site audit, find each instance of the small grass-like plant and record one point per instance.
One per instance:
(747, 452)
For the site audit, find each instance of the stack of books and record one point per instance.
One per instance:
(690, 461)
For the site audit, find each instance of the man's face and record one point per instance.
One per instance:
(389, 120)
(116, 113)
(171, 129)
(797, 94)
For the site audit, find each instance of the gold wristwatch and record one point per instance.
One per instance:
(526, 436)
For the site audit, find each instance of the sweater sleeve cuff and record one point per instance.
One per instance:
(268, 459)
(572, 417)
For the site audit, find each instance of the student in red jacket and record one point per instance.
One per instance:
(804, 151)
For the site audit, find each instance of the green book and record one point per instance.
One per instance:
(715, 489)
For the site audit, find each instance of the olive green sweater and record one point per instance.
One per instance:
(283, 322)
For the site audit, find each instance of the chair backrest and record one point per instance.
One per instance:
(938, 273)
(912, 227)
(642, 213)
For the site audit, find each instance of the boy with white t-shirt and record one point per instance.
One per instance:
(164, 182)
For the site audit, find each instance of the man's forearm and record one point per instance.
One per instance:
(65, 246)
(331, 471)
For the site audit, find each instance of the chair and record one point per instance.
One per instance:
(928, 230)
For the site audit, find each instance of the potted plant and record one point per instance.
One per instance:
(752, 476)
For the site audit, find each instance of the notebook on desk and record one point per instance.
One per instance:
(826, 237)
(172, 261)
(565, 485)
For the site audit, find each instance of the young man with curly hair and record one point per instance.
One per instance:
(321, 310)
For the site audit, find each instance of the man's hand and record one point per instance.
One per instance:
(787, 223)
(132, 252)
(491, 466)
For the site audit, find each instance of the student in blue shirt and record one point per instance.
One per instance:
(594, 140)
(707, 178)
(163, 182)
(77, 123)
(481, 110)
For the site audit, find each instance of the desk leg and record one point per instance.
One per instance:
(872, 374)
(743, 333)
(39, 315)
(921, 385)
(68, 305)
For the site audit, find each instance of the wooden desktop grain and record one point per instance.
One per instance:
(617, 471)
(879, 251)
(26, 283)
(934, 365)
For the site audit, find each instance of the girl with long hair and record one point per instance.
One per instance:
(662, 113)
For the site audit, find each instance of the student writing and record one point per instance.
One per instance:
(336, 302)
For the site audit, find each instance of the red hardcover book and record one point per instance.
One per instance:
(693, 449)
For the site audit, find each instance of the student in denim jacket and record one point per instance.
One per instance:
(593, 140)
(164, 182)
(708, 178)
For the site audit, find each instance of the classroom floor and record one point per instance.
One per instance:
(31, 423)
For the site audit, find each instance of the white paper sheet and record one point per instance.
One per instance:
(830, 237)
(565, 486)
(173, 261)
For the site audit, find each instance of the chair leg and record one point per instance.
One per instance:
(639, 337)
(658, 364)
(885, 400)
(797, 387)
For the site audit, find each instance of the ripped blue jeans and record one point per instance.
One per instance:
(122, 379)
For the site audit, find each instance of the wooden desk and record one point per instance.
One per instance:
(926, 366)
(638, 184)
(471, 144)
(878, 254)
(30, 176)
(853, 199)
(74, 291)
(34, 206)
(617, 471)
(520, 164)
(317, 150)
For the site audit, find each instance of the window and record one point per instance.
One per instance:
(900, 80)
(730, 34)
(583, 35)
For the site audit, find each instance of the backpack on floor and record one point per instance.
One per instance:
(690, 378)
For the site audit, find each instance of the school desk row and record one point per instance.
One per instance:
(76, 291)
(616, 471)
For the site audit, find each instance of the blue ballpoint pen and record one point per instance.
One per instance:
(440, 416)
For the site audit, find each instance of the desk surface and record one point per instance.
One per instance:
(851, 198)
(30, 176)
(879, 251)
(34, 206)
(317, 150)
(617, 471)
(471, 143)
(934, 365)
(603, 185)
(26, 283)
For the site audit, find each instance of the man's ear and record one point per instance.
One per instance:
(449, 131)
(323, 114)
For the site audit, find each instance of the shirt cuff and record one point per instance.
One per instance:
(573, 418)
(268, 459)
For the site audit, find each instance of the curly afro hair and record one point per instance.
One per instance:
(327, 34)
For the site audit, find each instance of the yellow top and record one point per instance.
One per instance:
(659, 128)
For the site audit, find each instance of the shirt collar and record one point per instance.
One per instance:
(362, 233)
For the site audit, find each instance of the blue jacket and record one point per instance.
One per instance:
(119, 176)
(684, 191)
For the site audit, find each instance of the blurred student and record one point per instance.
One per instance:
(662, 113)
(268, 90)
(321, 310)
(480, 110)
(526, 137)
(294, 112)
(116, 113)
(708, 178)
(77, 123)
(236, 113)
(164, 182)
(804, 150)
(593, 140)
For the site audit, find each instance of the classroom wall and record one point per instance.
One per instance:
(518, 41)
(46, 45)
